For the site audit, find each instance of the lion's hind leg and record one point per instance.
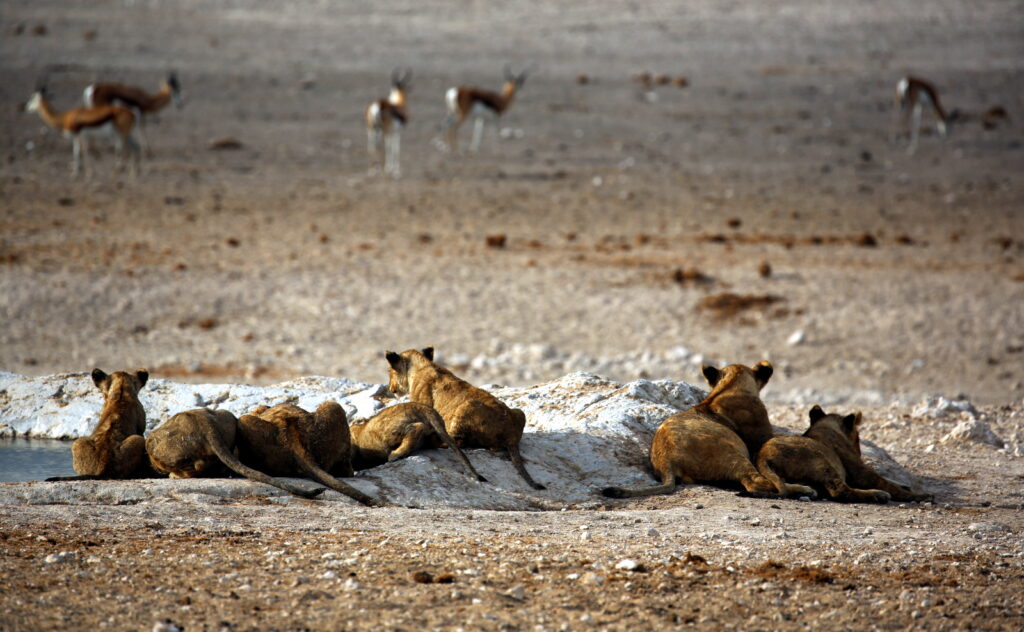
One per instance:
(787, 490)
(838, 490)
(413, 439)
(130, 458)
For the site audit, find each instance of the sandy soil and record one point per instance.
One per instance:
(626, 217)
(286, 258)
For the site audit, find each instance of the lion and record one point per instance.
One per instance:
(289, 441)
(472, 416)
(115, 449)
(398, 431)
(827, 457)
(202, 443)
(706, 443)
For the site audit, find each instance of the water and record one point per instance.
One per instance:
(34, 459)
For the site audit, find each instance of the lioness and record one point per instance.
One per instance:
(115, 449)
(472, 416)
(398, 431)
(827, 457)
(288, 441)
(200, 443)
(704, 443)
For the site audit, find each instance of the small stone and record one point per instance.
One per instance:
(228, 578)
(57, 558)
(351, 584)
(329, 575)
(627, 565)
(591, 579)
(653, 533)
(795, 338)
(517, 592)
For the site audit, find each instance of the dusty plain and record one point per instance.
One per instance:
(626, 213)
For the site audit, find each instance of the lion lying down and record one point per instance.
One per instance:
(709, 442)
(398, 431)
(827, 458)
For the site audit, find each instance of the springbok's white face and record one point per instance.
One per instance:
(33, 103)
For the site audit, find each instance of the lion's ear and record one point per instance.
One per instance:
(763, 371)
(850, 422)
(428, 353)
(816, 414)
(394, 360)
(98, 376)
(143, 377)
(711, 374)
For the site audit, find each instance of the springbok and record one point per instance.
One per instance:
(385, 119)
(911, 95)
(140, 102)
(466, 101)
(81, 124)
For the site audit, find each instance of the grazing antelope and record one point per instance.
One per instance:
(135, 99)
(466, 101)
(385, 119)
(911, 95)
(81, 124)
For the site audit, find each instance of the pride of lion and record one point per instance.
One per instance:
(726, 439)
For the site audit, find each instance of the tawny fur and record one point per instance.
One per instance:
(398, 431)
(465, 101)
(140, 102)
(201, 443)
(827, 458)
(115, 449)
(473, 417)
(385, 119)
(712, 441)
(78, 124)
(108, 93)
(289, 441)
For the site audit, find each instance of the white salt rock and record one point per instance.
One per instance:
(627, 565)
(972, 431)
(795, 338)
(57, 558)
(940, 407)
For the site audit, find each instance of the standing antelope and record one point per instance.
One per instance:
(466, 101)
(911, 95)
(135, 99)
(81, 124)
(385, 119)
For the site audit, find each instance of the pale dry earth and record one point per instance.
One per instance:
(286, 258)
(235, 555)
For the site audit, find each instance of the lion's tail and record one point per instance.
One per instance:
(228, 458)
(668, 485)
(310, 468)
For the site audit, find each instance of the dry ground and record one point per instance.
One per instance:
(622, 214)
(285, 257)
